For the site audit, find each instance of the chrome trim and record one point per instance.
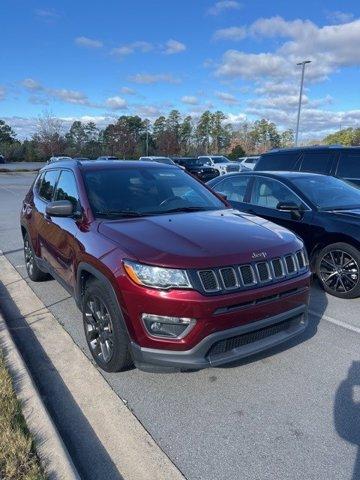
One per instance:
(202, 283)
(237, 284)
(268, 270)
(294, 259)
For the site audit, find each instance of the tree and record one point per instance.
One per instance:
(348, 137)
(76, 138)
(202, 132)
(7, 134)
(287, 138)
(48, 138)
(237, 152)
(186, 132)
(220, 133)
(265, 136)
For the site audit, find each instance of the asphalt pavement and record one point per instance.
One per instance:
(293, 413)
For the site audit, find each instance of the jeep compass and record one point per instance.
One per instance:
(167, 275)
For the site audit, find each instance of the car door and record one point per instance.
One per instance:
(266, 193)
(234, 188)
(63, 243)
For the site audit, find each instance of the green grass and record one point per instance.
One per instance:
(18, 459)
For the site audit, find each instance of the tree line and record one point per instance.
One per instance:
(132, 136)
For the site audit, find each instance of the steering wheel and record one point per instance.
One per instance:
(169, 200)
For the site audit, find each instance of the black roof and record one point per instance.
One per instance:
(311, 147)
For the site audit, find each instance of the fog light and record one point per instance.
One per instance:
(171, 327)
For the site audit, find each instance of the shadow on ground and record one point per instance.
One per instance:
(87, 452)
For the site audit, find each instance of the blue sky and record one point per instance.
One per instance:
(99, 60)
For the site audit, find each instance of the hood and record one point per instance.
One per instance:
(347, 214)
(199, 239)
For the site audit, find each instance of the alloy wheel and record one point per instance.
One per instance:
(339, 271)
(29, 257)
(99, 329)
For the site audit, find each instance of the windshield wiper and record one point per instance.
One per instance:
(119, 213)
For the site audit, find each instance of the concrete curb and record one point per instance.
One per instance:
(132, 450)
(49, 445)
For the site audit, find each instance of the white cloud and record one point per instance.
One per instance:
(69, 96)
(230, 33)
(149, 79)
(47, 13)
(2, 92)
(31, 84)
(127, 91)
(277, 88)
(129, 48)
(173, 46)
(227, 98)
(222, 6)
(88, 42)
(339, 17)
(190, 100)
(116, 103)
(329, 47)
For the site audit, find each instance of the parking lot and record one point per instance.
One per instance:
(293, 413)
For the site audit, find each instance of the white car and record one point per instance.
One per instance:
(248, 163)
(165, 160)
(57, 159)
(220, 163)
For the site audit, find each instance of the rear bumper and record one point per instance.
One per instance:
(245, 340)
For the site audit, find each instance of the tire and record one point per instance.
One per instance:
(34, 272)
(104, 327)
(338, 270)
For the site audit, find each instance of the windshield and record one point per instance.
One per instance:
(196, 162)
(329, 193)
(220, 160)
(134, 191)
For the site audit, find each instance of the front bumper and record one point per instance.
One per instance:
(216, 349)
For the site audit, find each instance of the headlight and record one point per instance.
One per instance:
(156, 277)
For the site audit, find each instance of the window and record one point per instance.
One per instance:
(116, 191)
(48, 182)
(277, 161)
(37, 182)
(66, 188)
(234, 188)
(349, 165)
(268, 193)
(317, 162)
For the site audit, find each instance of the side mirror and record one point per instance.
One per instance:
(60, 208)
(291, 207)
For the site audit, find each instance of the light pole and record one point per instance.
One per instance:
(300, 98)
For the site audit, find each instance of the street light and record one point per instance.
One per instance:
(300, 98)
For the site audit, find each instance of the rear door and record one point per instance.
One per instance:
(349, 166)
(315, 161)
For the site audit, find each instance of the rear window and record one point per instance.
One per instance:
(317, 162)
(277, 161)
(349, 165)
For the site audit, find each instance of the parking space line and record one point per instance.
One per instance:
(339, 323)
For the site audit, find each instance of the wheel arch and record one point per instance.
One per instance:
(328, 240)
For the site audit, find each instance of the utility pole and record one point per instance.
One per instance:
(300, 98)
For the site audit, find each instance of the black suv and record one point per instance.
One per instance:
(335, 160)
(197, 167)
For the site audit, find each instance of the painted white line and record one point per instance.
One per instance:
(339, 323)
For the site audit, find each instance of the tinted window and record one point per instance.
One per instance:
(233, 187)
(66, 188)
(267, 192)
(277, 161)
(349, 165)
(329, 192)
(146, 191)
(317, 162)
(48, 183)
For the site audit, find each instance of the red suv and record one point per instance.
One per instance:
(166, 274)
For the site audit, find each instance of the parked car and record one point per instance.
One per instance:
(248, 163)
(197, 167)
(2, 159)
(335, 160)
(220, 163)
(167, 275)
(323, 210)
(58, 159)
(109, 157)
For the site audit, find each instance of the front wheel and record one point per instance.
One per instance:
(105, 330)
(338, 270)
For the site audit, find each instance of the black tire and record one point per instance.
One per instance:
(34, 272)
(338, 270)
(105, 330)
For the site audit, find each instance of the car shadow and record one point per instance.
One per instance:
(318, 304)
(347, 412)
(85, 448)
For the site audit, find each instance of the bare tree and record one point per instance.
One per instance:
(49, 138)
